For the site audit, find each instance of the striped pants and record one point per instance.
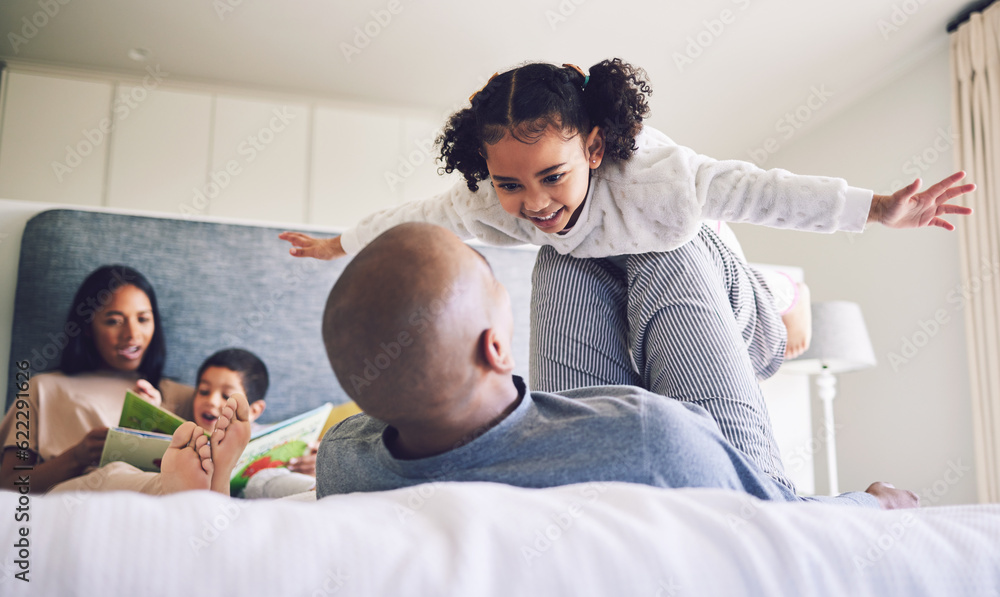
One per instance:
(696, 324)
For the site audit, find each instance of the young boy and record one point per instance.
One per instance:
(221, 376)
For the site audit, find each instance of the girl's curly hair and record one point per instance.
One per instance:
(527, 100)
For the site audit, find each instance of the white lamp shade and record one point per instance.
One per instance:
(839, 341)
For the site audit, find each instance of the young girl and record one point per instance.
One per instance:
(571, 165)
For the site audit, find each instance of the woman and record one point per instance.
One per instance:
(117, 346)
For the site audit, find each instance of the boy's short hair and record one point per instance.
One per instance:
(251, 369)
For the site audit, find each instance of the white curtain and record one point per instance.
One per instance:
(975, 62)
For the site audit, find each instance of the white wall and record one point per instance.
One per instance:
(157, 144)
(904, 422)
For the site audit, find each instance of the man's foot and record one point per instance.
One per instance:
(890, 498)
(187, 463)
(230, 438)
(798, 323)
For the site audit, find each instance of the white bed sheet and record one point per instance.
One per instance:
(482, 539)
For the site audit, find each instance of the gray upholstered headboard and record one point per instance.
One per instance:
(218, 285)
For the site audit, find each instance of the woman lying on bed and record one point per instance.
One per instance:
(116, 344)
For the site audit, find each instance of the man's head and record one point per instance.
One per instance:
(417, 327)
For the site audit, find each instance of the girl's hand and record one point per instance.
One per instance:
(906, 208)
(88, 451)
(304, 245)
(307, 463)
(146, 390)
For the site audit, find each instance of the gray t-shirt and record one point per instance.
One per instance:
(609, 433)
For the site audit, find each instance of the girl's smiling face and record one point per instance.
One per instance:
(214, 388)
(123, 328)
(544, 182)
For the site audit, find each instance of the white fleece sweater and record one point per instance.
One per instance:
(653, 202)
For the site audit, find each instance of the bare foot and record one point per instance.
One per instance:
(187, 463)
(890, 498)
(798, 323)
(230, 438)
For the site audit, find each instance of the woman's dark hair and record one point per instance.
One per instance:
(528, 99)
(80, 354)
(250, 368)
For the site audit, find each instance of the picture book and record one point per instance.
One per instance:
(141, 449)
(145, 416)
(274, 446)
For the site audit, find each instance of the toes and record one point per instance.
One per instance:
(238, 404)
(202, 445)
(225, 417)
(183, 434)
(204, 450)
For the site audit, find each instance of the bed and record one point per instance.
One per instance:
(235, 285)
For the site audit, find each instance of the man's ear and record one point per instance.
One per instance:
(257, 409)
(496, 351)
(594, 147)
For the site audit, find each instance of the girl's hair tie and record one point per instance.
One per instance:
(586, 77)
(483, 87)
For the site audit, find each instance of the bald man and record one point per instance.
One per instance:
(418, 331)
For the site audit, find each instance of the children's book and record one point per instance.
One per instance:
(146, 416)
(275, 445)
(144, 431)
(141, 449)
(142, 435)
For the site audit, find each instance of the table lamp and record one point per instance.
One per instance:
(840, 343)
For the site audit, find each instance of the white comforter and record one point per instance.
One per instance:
(481, 539)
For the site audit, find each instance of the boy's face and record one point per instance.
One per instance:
(214, 388)
(544, 182)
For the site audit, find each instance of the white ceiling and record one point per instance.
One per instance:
(432, 55)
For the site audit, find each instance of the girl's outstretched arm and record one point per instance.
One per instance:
(304, 245)
(906, 208)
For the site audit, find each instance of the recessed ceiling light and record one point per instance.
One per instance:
(139, 54)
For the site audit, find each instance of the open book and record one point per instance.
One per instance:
(142, 436)
(275, 445)
(144, 430)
